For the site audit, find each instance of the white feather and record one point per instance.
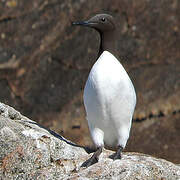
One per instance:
(109, 99)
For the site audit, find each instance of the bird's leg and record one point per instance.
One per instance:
(90, 149)
(94, 159)
(118, 153)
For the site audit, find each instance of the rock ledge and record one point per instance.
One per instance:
(29, 151)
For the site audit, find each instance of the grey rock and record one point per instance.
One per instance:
(29, 151)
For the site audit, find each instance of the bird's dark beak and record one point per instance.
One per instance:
(81, 23)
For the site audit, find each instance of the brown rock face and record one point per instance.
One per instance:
(44, 63)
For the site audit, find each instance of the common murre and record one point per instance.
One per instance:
(109, 95)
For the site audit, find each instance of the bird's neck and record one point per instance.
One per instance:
(108, 42)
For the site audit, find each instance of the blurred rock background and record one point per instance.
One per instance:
(44, 63)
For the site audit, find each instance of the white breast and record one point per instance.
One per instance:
(109, 99)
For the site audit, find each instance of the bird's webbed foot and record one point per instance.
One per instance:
(118, 153)
(94, 159)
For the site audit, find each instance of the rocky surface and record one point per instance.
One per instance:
(44, 63)
(28, 151)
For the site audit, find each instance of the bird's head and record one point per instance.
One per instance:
(100, 22)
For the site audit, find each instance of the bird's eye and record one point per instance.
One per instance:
(103, 19)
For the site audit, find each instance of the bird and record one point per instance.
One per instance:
(109, 94)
